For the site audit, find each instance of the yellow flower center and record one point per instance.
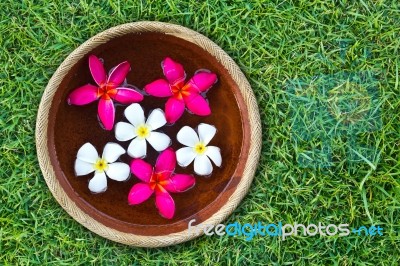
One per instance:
(101, 165)
(200, 148)
(143, 131)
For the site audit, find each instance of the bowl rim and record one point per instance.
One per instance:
(89, 222)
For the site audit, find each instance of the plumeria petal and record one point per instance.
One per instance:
(165, 204)
(112, 151)
(137, 148)
(98, 183)
(163, 177)
(214, 153)
(206, 132)
(198, 105)
(156, 119)
(191, 94)
(159, 141)
(166, 161)
(187, 136)
(159, 88)
(139, 193)
(106, 111)
(141, 170)
(185, 156)
(173, 71)
(118, 74)
(203, 80)
(87, 153)
(135, 115)
(118, 171)
(202, 165)
(128, 95)
(174, 109)
(180, 183)
(97, 69)
(83, 168)
(124, 131)
(83, 95)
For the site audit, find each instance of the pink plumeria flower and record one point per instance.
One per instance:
(88, 161)
(181, 94)
(161, 180)
(142, 131)
(106, 91)
(197, 149)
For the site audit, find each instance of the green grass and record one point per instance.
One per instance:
(273, 43)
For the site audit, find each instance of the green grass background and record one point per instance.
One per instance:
(272, 42)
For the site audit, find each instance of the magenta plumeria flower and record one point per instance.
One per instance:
(161, 180)
(182, 94)
(106, 91)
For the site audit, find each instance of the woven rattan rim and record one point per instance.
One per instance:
(42, 126)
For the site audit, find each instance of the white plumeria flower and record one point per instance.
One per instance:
(140, 130)
(197, 149)
(88, 161)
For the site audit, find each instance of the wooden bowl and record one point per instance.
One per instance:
(62, 129)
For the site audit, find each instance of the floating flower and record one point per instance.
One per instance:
(106, 91)
(160, 180)
(88, 161)
(140, 131)
(181, 94)
(197, 149)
